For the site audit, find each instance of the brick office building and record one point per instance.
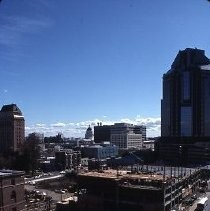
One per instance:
(12, 128)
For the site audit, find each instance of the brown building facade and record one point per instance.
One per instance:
(12, 128)
(12, 194)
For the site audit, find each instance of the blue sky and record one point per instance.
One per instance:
(71, 63)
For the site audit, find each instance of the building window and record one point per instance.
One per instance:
(13, 195)
(186, 121)
(13, 181)
(186, 86)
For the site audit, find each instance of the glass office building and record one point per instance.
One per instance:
(186, 96)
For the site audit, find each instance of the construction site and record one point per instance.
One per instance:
(146, 188)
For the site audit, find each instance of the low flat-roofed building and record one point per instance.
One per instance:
(101, 151)
(183, 150)
(12, 193)
(149, 144)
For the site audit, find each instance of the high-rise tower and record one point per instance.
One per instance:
(12, 128)
(185, 110)
(185, 107)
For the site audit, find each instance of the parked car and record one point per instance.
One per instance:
(194, 196)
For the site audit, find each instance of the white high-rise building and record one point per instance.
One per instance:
(126, 136)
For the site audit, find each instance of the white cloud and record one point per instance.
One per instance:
(16, 27)
(77, 129)
(15, 31)
(40, 125)
(58, 124)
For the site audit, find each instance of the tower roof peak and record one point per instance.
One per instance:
(190, 57)
(11, 108)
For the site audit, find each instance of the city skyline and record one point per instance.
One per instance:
(72, 64)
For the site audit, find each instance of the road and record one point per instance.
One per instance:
(30, 182)
(55, 196)
(54, 175)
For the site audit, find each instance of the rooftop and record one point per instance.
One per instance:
(11, 108)
(122, 174)
(9, 173)
(130, 180)
(190, 57)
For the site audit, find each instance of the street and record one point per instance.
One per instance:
(55, 196)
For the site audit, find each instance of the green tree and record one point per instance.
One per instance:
(31, 153)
